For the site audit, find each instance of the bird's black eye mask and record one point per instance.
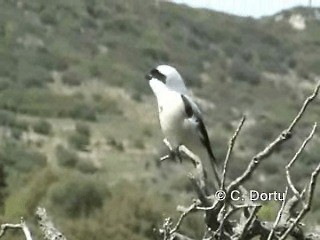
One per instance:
(154, 73)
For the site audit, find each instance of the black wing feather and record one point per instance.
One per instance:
(187, 106)
(203, 134)
(205, 138)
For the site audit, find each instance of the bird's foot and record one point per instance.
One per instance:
(177, 153)
(173, 154)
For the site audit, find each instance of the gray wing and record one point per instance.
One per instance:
(193, 112)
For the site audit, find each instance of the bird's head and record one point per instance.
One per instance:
(168, 76)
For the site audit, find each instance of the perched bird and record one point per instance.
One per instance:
(180, 118)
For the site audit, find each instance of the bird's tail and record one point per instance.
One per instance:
(213, 164)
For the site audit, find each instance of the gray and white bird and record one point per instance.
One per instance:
(180, 118)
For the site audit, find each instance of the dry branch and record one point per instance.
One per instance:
(306, 205)
(47, 228)
(297, 154)
(285, 135)
(230, 148)
(245, 226)
(279, 215)
(22, 225)
(220, 218)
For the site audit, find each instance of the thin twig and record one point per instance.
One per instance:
(190, 209)
(285, 135)
(249, 221)
(297, 154)
(306, 205)
(230, 148)
(193, 207)
(228, 215)
(200, 191)
(279, 215)
(304, 107)
(22, 225)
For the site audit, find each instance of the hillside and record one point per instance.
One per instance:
(75, 108)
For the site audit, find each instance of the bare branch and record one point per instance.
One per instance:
(306, 205)
(279, 215)
(304, 107)
(48, 230)
(297, 154)
(185, 212)
(249, 222)
(179, 236)
(225, 218)
(199, 191)
(200, 175)
(22, 225)
(285, 135)
(230, 148)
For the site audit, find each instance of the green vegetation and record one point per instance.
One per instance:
(18, 157)
(80, 139)
(78, 122)
(78, 196)
(66, 157)
(42, 127)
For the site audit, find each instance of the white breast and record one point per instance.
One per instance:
(172, 116)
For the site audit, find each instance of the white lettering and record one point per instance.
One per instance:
(235, 195)
(254, 195)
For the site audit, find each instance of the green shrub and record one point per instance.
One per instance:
(17, 156)
(48, 16)
(115, 144)
(65, 157)
(72, 78)
(23, 125)
(139, 144)
(83, 129)
(84, 111)
(43, 127)
(44, 103)
(7, 118)
(79, 141)
(23, 201)
(78, 196)
(240, 70)
(16, 133)
(136, 209)
(38, 102)
(86, 166)
(4, 83)
(30, 76)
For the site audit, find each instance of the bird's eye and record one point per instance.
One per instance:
(158, 75)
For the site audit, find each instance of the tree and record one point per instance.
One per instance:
(226, 219)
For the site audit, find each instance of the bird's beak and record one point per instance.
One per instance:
(148, 76)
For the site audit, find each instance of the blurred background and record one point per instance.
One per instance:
(78, 123)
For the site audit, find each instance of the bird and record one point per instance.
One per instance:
(180, 118)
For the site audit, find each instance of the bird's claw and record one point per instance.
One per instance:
(178, 153)
(173, 154)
